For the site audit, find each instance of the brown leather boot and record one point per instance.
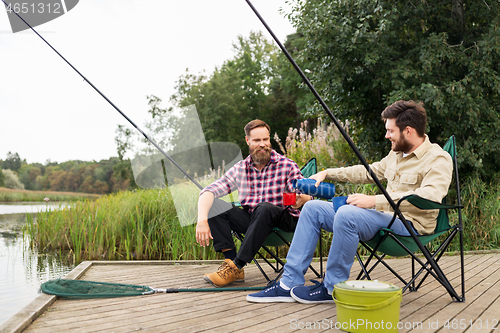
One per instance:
(227, 273)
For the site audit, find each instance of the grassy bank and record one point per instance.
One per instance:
(142, 224)
(9, 195)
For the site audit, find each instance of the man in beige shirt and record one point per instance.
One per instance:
(413, 166)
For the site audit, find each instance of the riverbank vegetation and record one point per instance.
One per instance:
(100, 177)
(10, 195)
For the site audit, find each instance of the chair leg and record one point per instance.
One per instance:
(363, 269)
(462, 269)
(322, 275)
(277, 268)
(260, 269)
(412, 287)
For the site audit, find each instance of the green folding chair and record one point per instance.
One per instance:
(278, 238)
(387, 242)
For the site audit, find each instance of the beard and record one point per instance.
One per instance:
(402, 145)
(259, 156)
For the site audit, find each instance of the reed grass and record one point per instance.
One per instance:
(130, 225)
(480, 215)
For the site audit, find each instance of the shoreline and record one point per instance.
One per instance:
(10, 195)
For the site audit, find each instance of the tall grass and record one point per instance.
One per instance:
(480, 215)
(142, 224)
(324, 142)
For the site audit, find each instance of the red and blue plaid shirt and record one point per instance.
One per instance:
(256, 186)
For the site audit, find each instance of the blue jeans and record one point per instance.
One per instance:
(349, 225)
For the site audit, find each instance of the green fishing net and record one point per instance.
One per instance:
(81, 289)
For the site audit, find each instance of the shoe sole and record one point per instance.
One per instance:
(280, 299)
(209, 281)
(305, 301)
(217, 286)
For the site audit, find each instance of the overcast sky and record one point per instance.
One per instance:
(128, 49)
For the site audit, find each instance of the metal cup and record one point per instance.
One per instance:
(289, 198)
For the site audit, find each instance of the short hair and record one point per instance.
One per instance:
(407, 113)
(254, 124)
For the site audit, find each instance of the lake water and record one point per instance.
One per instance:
(22, 269)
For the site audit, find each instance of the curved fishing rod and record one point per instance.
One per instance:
(424, 250)
(112, 104)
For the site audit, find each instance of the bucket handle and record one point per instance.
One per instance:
(369, 307)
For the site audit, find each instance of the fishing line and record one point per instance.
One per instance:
(424, 250)
(325, 107)
(109, 101)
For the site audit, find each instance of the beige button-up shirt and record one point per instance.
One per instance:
(427, 172)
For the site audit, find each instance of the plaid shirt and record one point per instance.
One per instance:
(256, 186)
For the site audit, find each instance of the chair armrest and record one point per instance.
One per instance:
(423, 203)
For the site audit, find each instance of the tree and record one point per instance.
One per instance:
(290, 99)
(242, 89)
(2, 178)
(122, 169)
(368, 54)
(11, 180)
(28, 174)
(12, 162)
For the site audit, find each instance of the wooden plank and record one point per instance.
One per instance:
(229, 311)
(431, 310)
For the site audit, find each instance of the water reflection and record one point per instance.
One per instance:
(28, 207)
(23, 269)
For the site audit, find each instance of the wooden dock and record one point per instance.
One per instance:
(430, 309)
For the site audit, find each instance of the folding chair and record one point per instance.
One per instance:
(278, 238)
(388, 243)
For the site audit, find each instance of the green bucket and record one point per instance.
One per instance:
(367, 306)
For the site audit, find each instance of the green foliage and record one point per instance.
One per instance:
(12, 162)
(105, 176)
(123, 169)
(11, 180)
(481, 214)
(368, 54)
(28, 174)
(2, 178)
(289, 86)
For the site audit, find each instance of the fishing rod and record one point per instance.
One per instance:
(151, 290)
(424, 250)
(110, 102)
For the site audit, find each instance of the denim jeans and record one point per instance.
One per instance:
(349, 225)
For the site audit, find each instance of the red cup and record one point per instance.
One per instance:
(289, 198)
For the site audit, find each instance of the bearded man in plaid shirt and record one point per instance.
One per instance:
(261, 179)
